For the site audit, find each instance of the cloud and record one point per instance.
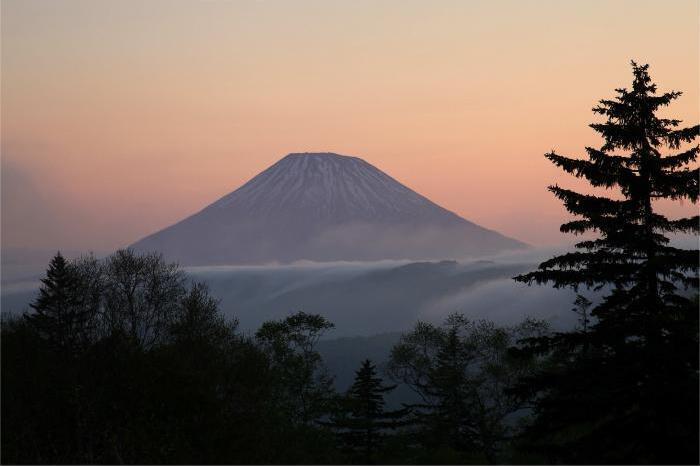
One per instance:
(365, 298)
(29, 212)
(505, 301)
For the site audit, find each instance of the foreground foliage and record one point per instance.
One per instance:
(124, 361)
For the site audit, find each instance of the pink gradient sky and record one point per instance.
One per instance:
(121, 117)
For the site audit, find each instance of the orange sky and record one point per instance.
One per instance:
(121, 117)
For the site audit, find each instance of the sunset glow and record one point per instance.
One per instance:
(120, 118)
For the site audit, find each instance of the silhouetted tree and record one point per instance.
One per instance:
(362, 422)
(305, 386)
(464, 373)
(581, 306)
(58, 312)
(632, 396)
(212, 384)
(141, 296)
(198, 320)
(450, 417)
(184, 388)
(301, 387)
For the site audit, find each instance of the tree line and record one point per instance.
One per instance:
(123, 360)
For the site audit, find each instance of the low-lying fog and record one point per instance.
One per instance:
(378, 297)
(367, 298)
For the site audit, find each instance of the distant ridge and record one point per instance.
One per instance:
(322, 207)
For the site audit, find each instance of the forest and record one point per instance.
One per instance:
(126, 360)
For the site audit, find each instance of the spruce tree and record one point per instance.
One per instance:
(363, 422)
(58, 316)
(631, 395)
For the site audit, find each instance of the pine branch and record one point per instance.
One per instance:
(677, 185)
(589, 259)
(678, 160)
(604, 171)
(588, 205)
(675, 138)
(683, 225)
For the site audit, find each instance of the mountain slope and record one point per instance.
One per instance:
(323, 207)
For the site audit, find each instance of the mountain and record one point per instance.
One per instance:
(322, 207)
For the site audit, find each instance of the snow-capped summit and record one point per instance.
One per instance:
(322, 206)
(332, 188)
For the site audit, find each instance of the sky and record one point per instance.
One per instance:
(122, 117)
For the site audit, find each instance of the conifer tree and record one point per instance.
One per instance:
(57, 313)
(632, 394)
(362, 423)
